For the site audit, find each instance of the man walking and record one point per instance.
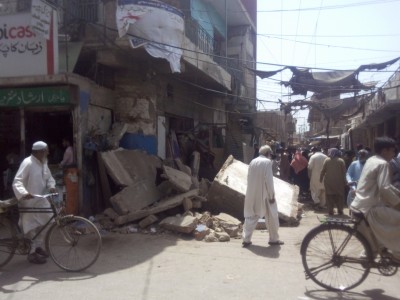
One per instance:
(260, 198)
(333, 175)
(317, 187)
(33, 179)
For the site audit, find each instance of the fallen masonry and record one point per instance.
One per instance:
(157, 196)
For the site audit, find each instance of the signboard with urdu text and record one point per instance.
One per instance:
(23, 52)
(17, 97)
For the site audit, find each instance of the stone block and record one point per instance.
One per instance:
(148, 221)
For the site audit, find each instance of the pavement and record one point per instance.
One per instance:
(170, 266)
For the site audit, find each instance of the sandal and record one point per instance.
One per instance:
(35, 258)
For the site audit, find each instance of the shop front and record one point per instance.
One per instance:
(30, 114)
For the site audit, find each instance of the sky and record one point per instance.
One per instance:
(331, 34)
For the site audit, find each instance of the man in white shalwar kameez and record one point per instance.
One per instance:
(384, 220)
(260, 198)
(317, 187)
(34, 178)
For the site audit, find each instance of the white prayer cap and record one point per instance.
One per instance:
(39, 145)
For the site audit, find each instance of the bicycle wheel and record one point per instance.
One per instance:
(73, 243)
(334, 258)
(8, 242)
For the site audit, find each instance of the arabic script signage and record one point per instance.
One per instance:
(34, 97)
(41, 18)
(24, 52)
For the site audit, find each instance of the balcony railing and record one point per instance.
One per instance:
(198, 36)
(77, 10)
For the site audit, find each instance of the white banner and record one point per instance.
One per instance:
(157, 26)
(22, 51)
(41, 18)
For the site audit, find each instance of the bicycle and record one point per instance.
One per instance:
(72, 242)
(339, 254)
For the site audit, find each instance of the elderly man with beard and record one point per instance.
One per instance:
(260, 198)
(32, 180)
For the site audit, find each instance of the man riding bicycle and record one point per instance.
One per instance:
(34, 178)
(383, 218)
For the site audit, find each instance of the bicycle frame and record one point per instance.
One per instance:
(51, 209)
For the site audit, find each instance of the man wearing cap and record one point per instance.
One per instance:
(34, 178)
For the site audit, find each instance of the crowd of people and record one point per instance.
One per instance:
(332, 179)
(327, 177)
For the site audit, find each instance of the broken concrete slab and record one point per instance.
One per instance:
(163, 205)
(182, 167)
(138, 195)
(148, 221)
(179, 179)
(228, 190)
(126, 167)
(111, 213)
(183, 224)
(227, 219)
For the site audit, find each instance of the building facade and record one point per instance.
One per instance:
(172, 72)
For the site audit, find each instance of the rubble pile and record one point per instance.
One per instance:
(157, 196)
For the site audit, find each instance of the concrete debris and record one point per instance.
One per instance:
(148, 221)
(222, 236)
(204, 186)
(179, 179)
(182, 167)
(135, 197)
(111, 213)
(200, 232)
(228, 190)
(126, 167)
(261, 224)
(227, 219)
(183, 224)
(211, 237)
(187, 204)
(158, 207)
(196, 204)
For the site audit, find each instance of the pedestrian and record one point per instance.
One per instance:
(353, 174)
(68, 158)
(256, 150)
(284, 164)
(333, 174)
(34, 179)
(382, 217)
(317, 188)
(395, 168)
(260, 198)
(300, 176)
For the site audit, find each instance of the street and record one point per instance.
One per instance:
(170, 266)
